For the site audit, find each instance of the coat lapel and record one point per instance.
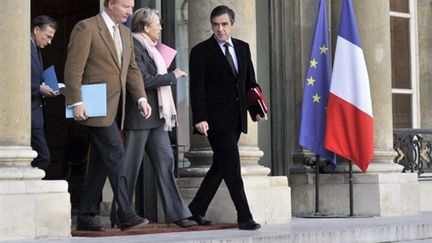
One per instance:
(35, 56)
(107, 38)
(125, 37)
(240, 56)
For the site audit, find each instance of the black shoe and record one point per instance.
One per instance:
(113, 225)
(184, 223)
(200, 220)
(249, 225)
(114, 220)
(133, 222)
(89, 227)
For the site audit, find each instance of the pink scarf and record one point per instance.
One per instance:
(167, 109)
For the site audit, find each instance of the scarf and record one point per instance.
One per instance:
(167, 109)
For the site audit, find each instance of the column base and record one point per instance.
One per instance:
(30, 208)
(375, 194)
(201, 159)
(425, 184)
(269, 199)
(33, 209)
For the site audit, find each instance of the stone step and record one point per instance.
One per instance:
(414, 228)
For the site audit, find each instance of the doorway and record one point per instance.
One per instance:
(67, 141)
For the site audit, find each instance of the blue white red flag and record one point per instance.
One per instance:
(350, 129)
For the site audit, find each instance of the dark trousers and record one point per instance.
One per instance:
(107, 159)
(39, 144)
(226, 166)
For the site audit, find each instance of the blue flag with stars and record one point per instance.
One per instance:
(316, 89)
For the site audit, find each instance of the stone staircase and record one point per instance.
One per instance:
(300, 230)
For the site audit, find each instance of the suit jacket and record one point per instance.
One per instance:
(218, 95)
(92, 58)
(153, 80)
(37, 115)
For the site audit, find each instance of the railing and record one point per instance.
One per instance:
(414, 148)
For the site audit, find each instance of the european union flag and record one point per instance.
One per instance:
(316, 90)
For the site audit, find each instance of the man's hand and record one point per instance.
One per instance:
(202, 127)
(46, 91)
(261, 118)
(79, 113)
(144, 109)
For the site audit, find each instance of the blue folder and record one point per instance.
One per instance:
(94, 100)
(50, 78)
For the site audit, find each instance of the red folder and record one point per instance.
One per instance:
(256, 102)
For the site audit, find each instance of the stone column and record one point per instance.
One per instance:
(383, 190)
(29, 207)
(275, 206)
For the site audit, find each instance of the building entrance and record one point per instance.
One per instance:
(67, 141)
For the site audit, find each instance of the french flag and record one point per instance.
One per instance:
(349, 126)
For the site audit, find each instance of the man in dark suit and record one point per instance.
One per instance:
(221, 72)
(101, 50)
(43, 29)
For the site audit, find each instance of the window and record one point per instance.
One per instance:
(403, 34)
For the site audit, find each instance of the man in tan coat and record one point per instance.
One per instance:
(101, 51)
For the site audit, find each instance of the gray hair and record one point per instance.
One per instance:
(143, 17)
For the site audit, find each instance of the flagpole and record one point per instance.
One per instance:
(317, 211)
(351, 197)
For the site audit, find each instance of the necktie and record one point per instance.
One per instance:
(117, 42)
(229, 57)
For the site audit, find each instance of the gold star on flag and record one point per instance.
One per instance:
(323, 49)
(313, 63)
(311, 81)
(316, 98)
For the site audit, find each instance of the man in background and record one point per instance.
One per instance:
(43, 29)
